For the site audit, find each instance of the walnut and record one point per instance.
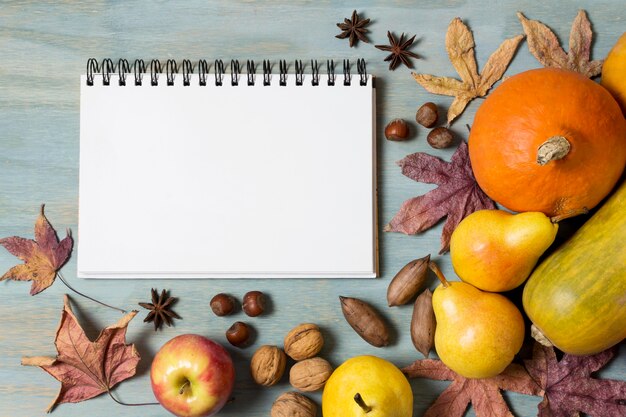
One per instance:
(310, 374)
(268, 365)
(292, 404)
(304, 341)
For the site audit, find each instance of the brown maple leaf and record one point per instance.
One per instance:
(483, 394)
(545, 46)
(87, 369)
(457, 196)
(569, 388)
(42, 257)
(460, 47)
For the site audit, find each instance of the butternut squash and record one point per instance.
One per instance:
(577, 296)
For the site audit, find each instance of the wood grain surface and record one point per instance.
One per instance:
(44, 47)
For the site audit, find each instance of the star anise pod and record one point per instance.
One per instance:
(353, 28)
(399, 51)
(160, 309)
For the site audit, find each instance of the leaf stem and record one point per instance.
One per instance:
(86, 296)
(130, 404)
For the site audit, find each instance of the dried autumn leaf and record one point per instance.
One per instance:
(460, 47)
(457, 196)
(42, 257)
(87, 369)
(483, 394)
(569, 388)
(545, 46)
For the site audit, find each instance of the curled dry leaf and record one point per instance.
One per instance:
(365, 320)
(457, 196)
(568, 387)
(84, 368)
(460, 47)
(407, 282)
(545, 46)
(42, 257)
(423, 323)
(484, 394)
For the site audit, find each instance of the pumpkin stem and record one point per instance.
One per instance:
(568, 214)
(539, 336)
(554, 148)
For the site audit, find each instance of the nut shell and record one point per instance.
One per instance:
(293, 404)
(310, 374)
(267, 365)
(304, 341)
(440, 138)
(397, 129)
(427, 115)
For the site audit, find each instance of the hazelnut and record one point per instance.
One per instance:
(222, 304)
(303, 341)
(440, 137)
(397, 129)
(293, 404)
(254, 303)
(310, 374)
(268, 365)
(427, 115)
(238, 334)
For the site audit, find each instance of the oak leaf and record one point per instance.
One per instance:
(42, 257)
(87, 369)
(483, 394)
(545, 46)
(457, 196)
(568, 386)
(460, 47)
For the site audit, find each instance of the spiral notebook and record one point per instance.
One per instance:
(220, 171)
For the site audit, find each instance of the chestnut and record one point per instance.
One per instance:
(254, 303)
(238, 334)
(222, 304)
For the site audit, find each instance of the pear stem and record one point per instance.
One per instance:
(433, 267)
(184, 387)
(359, 400)
(568, 214)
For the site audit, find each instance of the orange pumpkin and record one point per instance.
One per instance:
(548, 140)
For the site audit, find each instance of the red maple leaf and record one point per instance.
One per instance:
(483, 394)
(87, 369)
(42, 257)
(569, 387)
(457, 196)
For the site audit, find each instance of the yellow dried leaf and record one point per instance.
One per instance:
(460, 47)
(545, 46)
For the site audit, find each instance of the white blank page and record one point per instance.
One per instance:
(227, 181)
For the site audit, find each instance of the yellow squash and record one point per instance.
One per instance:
(577, 296)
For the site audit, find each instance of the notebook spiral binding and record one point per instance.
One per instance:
(108, 67)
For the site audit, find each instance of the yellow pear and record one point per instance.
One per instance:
(478, 333)
(495, 250)
(367, 386)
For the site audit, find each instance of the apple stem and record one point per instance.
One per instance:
(184, 387)
(129, 404)
(433, 267)
(568, 214)
(359, 400)
(86, 296)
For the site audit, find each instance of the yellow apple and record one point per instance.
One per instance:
(367, 386)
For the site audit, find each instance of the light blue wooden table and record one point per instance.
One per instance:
(43, 50)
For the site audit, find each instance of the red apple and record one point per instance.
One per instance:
(192, 376)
